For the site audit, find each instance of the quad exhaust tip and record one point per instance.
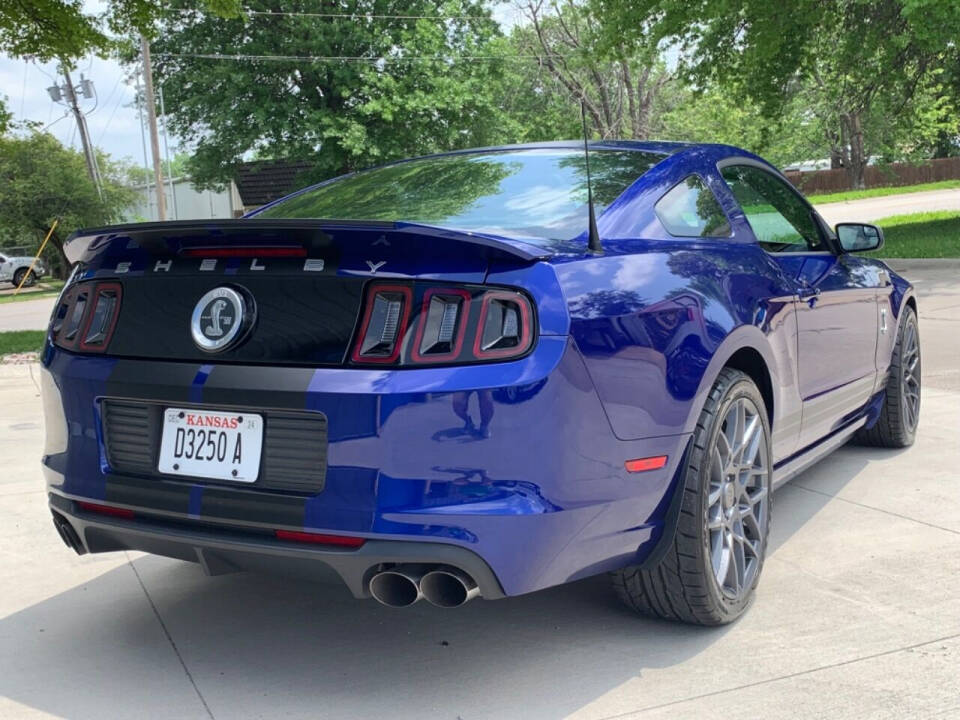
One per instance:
(397, 587)
(404, 585)
(448, 587)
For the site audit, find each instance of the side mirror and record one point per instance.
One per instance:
(859, 237)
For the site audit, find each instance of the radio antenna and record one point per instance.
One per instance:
(593, 237)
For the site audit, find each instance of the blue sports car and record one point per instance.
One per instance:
(477, 374)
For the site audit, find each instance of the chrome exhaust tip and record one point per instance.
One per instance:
(448, 587)
(398, 587)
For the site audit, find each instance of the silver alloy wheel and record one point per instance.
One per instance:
(738, 503)
(910, 380)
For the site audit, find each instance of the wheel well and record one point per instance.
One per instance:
(749, 361)
(912, 302)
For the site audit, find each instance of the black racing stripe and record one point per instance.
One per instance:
(218, 503)
(148, 494)
(258, 386)
(245, 507)
(151, 380)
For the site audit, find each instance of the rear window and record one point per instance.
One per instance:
(535, 195)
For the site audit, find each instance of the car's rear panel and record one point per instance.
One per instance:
(352, 446)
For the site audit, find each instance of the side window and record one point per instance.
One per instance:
(780, 220)
(689, 209)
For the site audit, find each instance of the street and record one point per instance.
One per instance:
(856, 614)
(870, 210)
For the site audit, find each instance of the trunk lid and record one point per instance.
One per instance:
(306, 277)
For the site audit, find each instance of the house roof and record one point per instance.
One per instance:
(263, 181)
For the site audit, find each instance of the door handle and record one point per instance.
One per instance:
(806, 293)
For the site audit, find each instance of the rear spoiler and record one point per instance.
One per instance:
(164, 238)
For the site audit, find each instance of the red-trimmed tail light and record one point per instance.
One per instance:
(408, 325)
(505, 327)
(384, 324)
(86, 316)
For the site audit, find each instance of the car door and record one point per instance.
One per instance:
(836, 298)
(4, 268)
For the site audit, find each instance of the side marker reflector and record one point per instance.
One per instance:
(643, 464)
(320, 538)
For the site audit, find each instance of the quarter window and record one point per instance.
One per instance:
(781, 221)
(689, 209)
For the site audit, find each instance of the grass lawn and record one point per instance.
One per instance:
(881, 191)
(921, 235)
(48, 288)
(18, 341)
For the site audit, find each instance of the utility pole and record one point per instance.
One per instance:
(152, 122)
(71, 94)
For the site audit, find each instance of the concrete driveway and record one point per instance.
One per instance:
(856, 617)
(873, 209)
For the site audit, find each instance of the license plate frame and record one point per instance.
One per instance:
(221, 445)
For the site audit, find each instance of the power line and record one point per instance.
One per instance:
(358, 16)
(349, 58)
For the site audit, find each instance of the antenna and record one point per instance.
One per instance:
(593, 237)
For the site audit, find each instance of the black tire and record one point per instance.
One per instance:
(19, 275)
(896, 428)
(683, 585)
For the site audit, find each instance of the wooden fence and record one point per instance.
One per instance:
(893, 175)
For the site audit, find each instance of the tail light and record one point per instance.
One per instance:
(86, 316)
(409, 325)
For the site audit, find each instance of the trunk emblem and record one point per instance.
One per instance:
(374, 266)
(221, 318)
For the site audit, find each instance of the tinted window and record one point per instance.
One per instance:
(536, 195)
(689, 209)
(781, 221)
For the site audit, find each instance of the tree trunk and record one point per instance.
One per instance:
(856, 167)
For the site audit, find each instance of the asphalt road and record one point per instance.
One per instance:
(856, 616)
(873, 209)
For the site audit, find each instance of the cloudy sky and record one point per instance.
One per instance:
(112, 118)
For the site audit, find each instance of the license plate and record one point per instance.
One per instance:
(211, 444)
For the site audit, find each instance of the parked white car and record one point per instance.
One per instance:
(14, 269)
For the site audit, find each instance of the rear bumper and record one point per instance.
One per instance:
(540, 496)
(220, 551)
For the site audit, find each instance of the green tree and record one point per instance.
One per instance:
(6, 117)
(62, 30)
(347, 92)
(848, 57)
(41, 180)
(619, 87)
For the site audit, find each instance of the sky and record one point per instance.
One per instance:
(112, 119)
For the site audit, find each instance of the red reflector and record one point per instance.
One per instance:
(319, 538)
(106, 510)
(644, 464)
(244, 252)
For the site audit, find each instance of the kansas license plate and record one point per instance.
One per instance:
(211, 444)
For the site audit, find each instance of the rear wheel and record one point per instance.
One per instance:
(22, 273)
(709, 573)
(900, 414)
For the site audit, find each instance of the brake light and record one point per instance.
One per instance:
(442, 325)
(267, 251)
(504, 326)
(499, 323)
(102, 318)
(86, 317)
(384, 324)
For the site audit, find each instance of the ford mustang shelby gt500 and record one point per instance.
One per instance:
(442, 379)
